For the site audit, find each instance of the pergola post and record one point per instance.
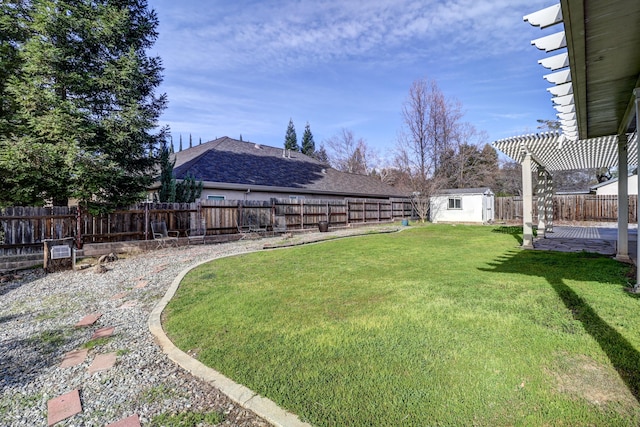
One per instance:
(636, 94)
(548, 203)
(541, 189)
(527, 202)
(622, 253)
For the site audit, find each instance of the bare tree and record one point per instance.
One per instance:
(509, 182)
(431, 131)
(347, 154)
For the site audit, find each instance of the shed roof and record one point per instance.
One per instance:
(612, 181)
(229, 163)
(465, 191)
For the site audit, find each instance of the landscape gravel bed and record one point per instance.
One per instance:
(37, 316)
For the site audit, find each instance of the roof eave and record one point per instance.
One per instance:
(573, 19)
(294, 190)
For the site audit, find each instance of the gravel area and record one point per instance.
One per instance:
(37, 317)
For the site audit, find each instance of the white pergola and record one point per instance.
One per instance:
(595, 75)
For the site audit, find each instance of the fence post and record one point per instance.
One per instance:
(146, 221)
(302, 214)
(328, 214)
(78, 227)
(364, 211)
(346, 201)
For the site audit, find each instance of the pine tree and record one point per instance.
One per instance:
(83, 103)
(308, 145)
(321, 155)
(167, 192)
(190, 142)
(188, 190)
(200, 142)
(180, 143)
(290, 138)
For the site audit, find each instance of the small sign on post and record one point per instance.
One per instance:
(60, 251)
(56, 252)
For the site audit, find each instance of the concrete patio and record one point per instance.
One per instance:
(595, 239)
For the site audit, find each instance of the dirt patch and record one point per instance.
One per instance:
(597, 383)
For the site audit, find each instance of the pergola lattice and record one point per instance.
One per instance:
(555, 152)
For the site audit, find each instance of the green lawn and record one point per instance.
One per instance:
(437, 325)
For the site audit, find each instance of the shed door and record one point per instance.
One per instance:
(487, 208)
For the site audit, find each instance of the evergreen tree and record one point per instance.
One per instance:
(308, 144)
(11, 36)
(188, 190)
(167, 192)
(180, 143)
(82, 102)
(190, 142)
(321, 154)
(171, 150)
(200, 142)
(290, 138)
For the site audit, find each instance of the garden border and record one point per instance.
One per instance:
(240, 394)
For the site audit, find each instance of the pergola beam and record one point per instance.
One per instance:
(629, 114)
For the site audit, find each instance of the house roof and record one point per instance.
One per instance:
(484, 190)
(232, 164)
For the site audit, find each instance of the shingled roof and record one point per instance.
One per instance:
(446, 191)
(229, 163)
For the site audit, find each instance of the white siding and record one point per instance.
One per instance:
(612, 188)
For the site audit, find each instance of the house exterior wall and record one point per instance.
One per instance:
(262, 195)
(612, 188)
(472, 206)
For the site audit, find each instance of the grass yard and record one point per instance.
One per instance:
(437, 325)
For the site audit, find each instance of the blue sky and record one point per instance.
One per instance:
(246, 67)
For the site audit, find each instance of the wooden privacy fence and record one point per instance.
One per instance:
(568, 207)
(24, 229)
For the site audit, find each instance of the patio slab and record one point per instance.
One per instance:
(103, 332)
(102, 362)
(132, 421)
(141, 284)
(63, 407)
(88, 320)
(129, 304)
(119, 296)
(74, 358)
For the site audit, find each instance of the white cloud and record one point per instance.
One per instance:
(283, 34)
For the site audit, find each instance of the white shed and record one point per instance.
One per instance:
(463, 205)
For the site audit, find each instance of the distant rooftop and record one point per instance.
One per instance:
(248, 165)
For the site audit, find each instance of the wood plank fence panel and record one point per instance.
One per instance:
(23, 229)
(569, 208)
(220, 216)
